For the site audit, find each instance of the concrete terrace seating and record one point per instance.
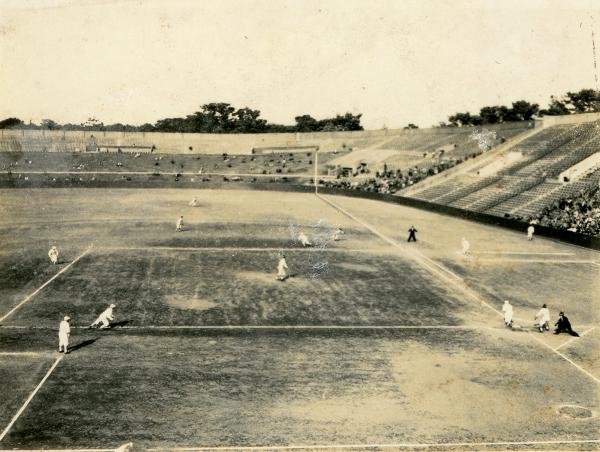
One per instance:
(494, 193)
(464, 190)
(522, 199)
(437, 191)
(540, 145)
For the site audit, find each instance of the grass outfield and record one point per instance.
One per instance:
(185, 367)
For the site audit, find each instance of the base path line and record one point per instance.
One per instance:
(299, 327)
(30, 398)
(564, 344)
(527, 253)
(214, 248)
(276, 327)
(386, 445)
(566, 358)
(435, 268)
(33, 294)
(535, 261)
(61, 450)
(32, 354)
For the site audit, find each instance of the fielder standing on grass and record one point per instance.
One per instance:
(53, 255)
(179, 225)
(282, 268)
(64, 331)
(105, 318)
(507, 309)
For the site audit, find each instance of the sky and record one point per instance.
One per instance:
(396, 62)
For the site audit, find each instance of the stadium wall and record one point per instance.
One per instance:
(570, 119)
(205, 143)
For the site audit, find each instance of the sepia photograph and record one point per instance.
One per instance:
(299, 225)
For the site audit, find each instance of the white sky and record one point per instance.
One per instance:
(394, 61)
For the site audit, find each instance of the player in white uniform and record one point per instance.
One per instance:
(337, 233)
(466, 246)
(530, 231)
(64, 331)
(507, 309)
(53, 255)
(179, 226)
(304, 239)
(194, 202)
(543, 318)
(282, 268)
(105, 318)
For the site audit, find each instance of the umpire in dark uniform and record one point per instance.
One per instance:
(563, 324)
(411, 234)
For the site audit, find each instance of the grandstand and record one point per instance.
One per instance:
(523, 185)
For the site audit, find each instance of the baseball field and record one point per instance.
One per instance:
(371, 343)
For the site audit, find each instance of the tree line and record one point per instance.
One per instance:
(215, 117)
(221, 117)
(583, 101)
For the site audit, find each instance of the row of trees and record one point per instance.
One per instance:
(221, 117)
(216, 117)
(583, 101)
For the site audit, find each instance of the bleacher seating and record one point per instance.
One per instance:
(464, 190)
(522, 199)
(526, 186)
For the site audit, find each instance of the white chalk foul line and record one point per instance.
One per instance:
(385, 445)
(564, 344)
(420, 258)
(33, 294)
(30, 398)
(566, 358)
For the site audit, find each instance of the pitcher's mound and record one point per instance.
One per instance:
(182, 302)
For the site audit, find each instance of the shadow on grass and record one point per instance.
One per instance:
(121, 323)
(82, 344)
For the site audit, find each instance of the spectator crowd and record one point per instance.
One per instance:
(580, 213)
(389, 181)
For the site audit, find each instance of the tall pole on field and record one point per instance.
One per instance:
(594, 52)
(316, 166)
